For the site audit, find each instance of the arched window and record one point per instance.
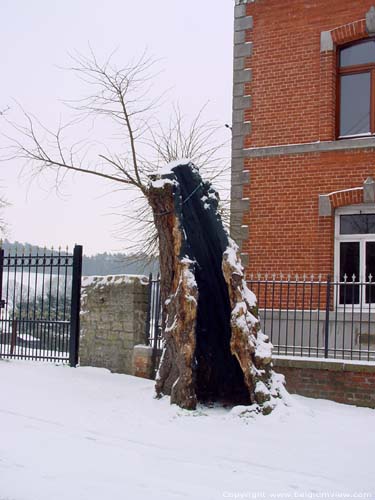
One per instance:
(357, 89)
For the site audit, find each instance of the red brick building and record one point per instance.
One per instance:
(303, 194)
(304, 136)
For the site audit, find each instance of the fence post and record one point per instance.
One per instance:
(14, 337)
(75, 306)
(2, 301)
(156, 318)
(328, 304)
(148, 319)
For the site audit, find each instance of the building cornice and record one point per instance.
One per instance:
(310, 147)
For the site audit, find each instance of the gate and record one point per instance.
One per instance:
(40, 305)
(153, 323)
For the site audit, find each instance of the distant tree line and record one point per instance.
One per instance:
(100, 264)
(105, 263)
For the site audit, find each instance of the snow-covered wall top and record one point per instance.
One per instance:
(116, 279)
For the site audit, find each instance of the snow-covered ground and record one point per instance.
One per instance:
(87, 434)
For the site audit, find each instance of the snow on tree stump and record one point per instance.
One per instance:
(214, 349)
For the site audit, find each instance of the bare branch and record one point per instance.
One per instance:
(124, 96)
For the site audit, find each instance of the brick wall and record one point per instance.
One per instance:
(286, 233)
(293, 81)
(343, 382)
(285, 152)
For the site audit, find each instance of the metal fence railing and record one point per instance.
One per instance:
(303, 316)
(318, 317)
(40, 304)
(153, 334)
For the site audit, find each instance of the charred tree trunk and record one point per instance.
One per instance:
(213, 347)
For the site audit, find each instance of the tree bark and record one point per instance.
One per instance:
(213, 347)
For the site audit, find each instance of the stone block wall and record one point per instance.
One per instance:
(113, 319)
(349, 382)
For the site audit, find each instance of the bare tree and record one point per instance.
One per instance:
(122, 95)
(3, 201)
(4, 225)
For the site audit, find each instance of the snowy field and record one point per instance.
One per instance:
(86, 434)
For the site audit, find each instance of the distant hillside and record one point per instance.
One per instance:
(104, 263)
(100, 264)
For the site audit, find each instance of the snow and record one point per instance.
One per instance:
(87, 434)
(282, 145)
(231, 255)
(212, 195)
(168, 169)
(325, 360)
(188, 275)
(160, 183)
(263, 348)
(345, 190)
(243, 317)
(115, 279)
(28, 337)
(188, 278)
(249, 296)
(261, 387)
(33, 352)
(143, 347)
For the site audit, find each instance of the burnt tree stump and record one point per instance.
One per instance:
(213, 348)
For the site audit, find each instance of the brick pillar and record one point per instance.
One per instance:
(143, 361)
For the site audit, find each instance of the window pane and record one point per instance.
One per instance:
(355, 104)
(357, 224)
(349, 266)
(361, 53)
(370, 270)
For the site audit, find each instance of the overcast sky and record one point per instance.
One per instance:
(194, 41)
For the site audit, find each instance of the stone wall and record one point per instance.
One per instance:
(113, 319)
(349, 382)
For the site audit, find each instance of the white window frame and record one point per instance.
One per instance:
(361, 238)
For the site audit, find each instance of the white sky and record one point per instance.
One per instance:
(194, 41)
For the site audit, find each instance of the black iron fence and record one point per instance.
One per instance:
(40, 304)
(153, 323)
(303, 316)
(317, 317)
